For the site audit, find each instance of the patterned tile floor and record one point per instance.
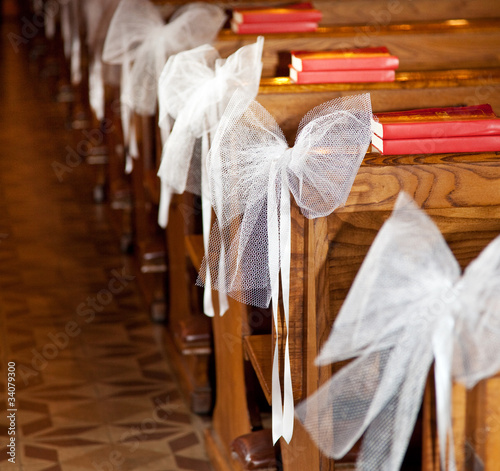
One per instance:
(93, 388)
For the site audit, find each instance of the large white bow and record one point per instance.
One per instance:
(195, 88)
(408, 306)
(141, 42)
(252, 172)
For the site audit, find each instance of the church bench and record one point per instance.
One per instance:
(460, 193)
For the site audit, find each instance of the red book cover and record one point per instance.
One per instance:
(437, 146)
(301, 12)
(437, 122)
(367, 58)
(341, 76)
(268, 28)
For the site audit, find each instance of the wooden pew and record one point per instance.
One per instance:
(459, 192)
(288, 103)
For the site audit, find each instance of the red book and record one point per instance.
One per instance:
(437, 122)
(342, 76)
(437, 145)
(367, 58)
(301, 12)
(268, 28)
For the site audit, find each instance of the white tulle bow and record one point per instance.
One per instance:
(252, 172)
(195, 88)
(408, 306)
(141, 42)
(139, 34)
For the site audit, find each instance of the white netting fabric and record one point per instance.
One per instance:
(251, 170)
(251, 174)
(195, 88)
(407, 307)
(139, 35)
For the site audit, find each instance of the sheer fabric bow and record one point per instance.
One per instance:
(252, 172)
(195, 88)
(141, 42)
(408, 306)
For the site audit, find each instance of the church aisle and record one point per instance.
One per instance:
(93, 389)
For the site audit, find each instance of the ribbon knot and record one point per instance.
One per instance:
(252, 172)
(408, 307)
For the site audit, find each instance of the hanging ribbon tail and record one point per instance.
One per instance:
(76, 68)
(164, 205)
(96, 87)
(443, 353)
(285, 235)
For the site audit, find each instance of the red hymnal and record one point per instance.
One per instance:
(301, 12)
(368, 58)
(437, 145)
(477, 120)
(267, 28)
(341, 76)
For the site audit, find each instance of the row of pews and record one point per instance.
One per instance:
(449, 55)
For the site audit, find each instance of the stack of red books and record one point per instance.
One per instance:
(297, 18)
(371, 64)
(437, 130)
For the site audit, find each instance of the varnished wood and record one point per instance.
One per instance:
(458, 191)
(419, 45)
(231, 417)
(195, 249)
(374, 13)
(258, 348)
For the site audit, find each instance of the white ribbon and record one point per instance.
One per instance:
(195, 87)
(407, 307)
(70, 29)
(97, 15)
(252, 172)
(141, 42)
